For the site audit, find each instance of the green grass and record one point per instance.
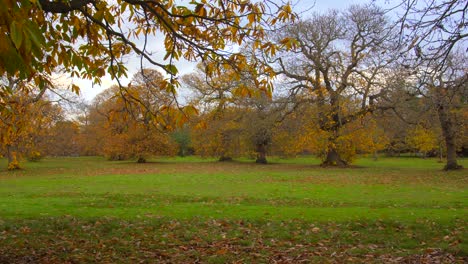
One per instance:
(392, 207)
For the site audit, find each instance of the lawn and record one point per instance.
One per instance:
(198, 210)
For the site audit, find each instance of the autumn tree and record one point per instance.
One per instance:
(340, 59)
(300, 132)
(92, 119)
(435, 97)
(220, 136)
(217, 131)
(293, 135)
(238, 113)
(63, 139)
(271, 125)
(25, 119)
(137, 119)
(446, 91)
(433, 35)
(259, 120)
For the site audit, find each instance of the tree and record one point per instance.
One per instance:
(219, 136)
(88, 38)
(26, 118)
(446, 90)
(259, 120)
(218, 98)
(138, 118)
(266, 122)
(63, 139)
(182, 136)
(432, 34)
(340, 60)
(238, 113)
(301, 133)
(92, 123)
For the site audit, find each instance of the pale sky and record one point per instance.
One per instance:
(133, 64)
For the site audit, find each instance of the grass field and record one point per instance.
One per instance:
(198, 210)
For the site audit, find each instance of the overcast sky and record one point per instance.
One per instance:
(133, 63)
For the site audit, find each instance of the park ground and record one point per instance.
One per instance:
(185, 210)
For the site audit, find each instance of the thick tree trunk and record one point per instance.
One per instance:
(333, 159)
(448, 131)
(11, 154)
(332, 123)
(451, 157)
(261, 154)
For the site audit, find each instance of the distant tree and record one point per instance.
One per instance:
(25, 119)
(220, 136)
(433, 35)
(258, 122)
(292, 136)
(218, 131)
(421, 139)
(92, 121)
(136, 120)
(238, 113)
(446, 90)
(182, 136)
(63, 139)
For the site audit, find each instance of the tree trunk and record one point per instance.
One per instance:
(261, 154)
(332, 123)
(448, 130)
(225, 140)
(452, 158)
(11, 154)
(333, 159)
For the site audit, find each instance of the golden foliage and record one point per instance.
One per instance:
(23, 120)
(221, 136)
(299, 134)
(134, 121)
(89, 38)
(421, 139)
(14, 163)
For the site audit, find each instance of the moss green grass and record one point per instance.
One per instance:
(403, 206)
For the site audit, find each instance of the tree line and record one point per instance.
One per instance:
(334, 84)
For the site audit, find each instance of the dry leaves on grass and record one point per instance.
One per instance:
(108, 240)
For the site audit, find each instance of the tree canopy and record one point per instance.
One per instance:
(88, 38)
